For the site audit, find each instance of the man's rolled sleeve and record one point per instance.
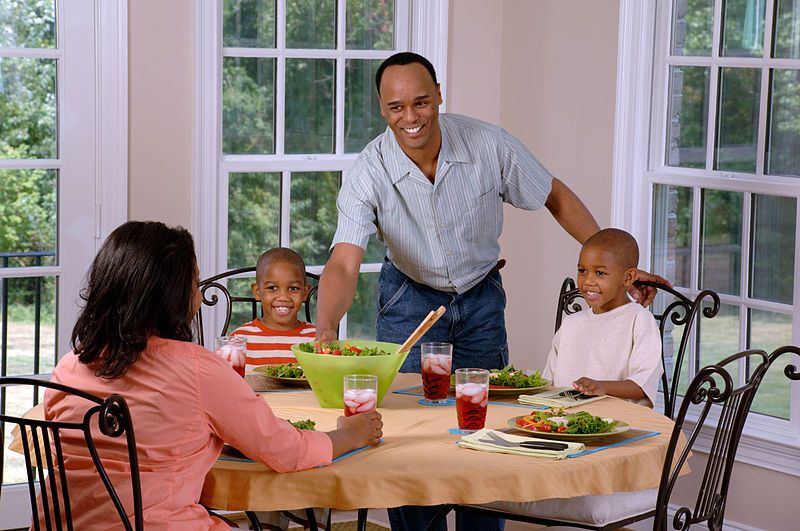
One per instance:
(526, 182)
(357, 216)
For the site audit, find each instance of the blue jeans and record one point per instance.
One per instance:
(474, 323)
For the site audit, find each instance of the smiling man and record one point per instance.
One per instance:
(432, 188)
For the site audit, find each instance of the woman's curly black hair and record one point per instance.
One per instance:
(141, 283)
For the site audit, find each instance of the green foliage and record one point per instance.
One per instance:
(27, 23)
(253, 216)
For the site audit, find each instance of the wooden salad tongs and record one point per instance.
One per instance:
(423, 327)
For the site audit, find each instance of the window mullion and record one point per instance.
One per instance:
(280, 78)
(286, 208)
(340, 73)
(744, 280)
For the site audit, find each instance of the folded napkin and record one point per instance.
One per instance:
(480, 441)
(553, 399)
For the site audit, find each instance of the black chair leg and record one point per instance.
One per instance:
(312, 518)
(362, 520)
(254, 523)
(440, 515)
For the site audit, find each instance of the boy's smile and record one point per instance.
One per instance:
(603, 281)
(281, 289)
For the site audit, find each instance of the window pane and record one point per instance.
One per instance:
(772, 249)
(248, 105)
(311, 24)
(28, 211)
(769, 331)
(375, 251)
(253, 216)
(787, 29)
(27, 108)
(721, 241)
(313, 214)
(17, 401)
(672, 233)
(31, 340)
(310, 90)
(743, 28)
(370, 24)
(248, 23)
(361, 315)
(692, 24)
(783, 143)
(737, 123)
(27, 23)
(719, 337)
(362, 111)
(688, 116)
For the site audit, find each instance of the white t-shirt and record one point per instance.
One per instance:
(621, 344)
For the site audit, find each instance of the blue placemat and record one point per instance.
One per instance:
(645, 435)
(449, 402)
(348, 454)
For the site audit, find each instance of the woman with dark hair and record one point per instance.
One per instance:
(133, 338)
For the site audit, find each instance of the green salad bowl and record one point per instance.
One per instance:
(325, 373)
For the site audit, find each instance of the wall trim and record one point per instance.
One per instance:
(632, 115)
(429, 34)
(111, 56)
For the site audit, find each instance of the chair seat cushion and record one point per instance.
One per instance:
(593, 510)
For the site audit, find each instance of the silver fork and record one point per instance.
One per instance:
(534, 445)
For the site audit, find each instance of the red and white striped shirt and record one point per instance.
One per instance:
(268, 347)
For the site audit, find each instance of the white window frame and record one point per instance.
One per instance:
(639, 164)
(427, 23)
(92, 94)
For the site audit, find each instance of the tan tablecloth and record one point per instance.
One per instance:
(420, 464)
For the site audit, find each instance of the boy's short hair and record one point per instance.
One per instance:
(618, 242)
(279, 254)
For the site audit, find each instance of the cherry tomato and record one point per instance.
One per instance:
(561, 429)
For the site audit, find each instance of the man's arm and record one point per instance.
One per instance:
(337, 287)
(576, 219)
(570, 212)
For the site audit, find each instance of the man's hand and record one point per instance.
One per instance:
(326, 335)
(588, 386)
(644, 295)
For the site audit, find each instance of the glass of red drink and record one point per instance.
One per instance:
(232, 349)
(360, 393)
(436, 362)
(472, 397)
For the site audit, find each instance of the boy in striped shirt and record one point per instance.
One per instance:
(281, 287)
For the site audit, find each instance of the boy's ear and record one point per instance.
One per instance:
(630, 276)
(306, 289)
(254, 288)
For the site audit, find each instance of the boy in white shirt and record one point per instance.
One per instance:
(614, 347)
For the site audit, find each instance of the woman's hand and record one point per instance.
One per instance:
(356, 431)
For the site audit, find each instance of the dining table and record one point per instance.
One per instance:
(419, 462)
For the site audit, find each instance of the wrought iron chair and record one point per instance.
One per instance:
(679, 310)
(44, 458)
(715, 400)
(219, 290)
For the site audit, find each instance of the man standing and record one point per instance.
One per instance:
(432, 187)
